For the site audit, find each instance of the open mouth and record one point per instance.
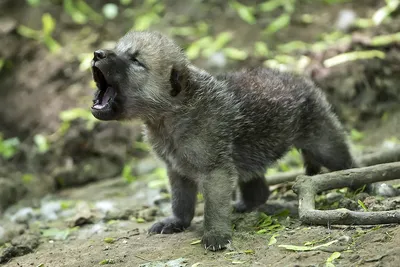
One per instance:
(105, 94)
(104, 102)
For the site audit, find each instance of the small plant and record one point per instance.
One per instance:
(246, 13)
(127, 173)
(207, 45)
(80, 12)
(41, 143)
(43, 35)
(270, 224)
(8, 147)
(107, 261)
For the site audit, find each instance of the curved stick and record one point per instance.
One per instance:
(306, 187)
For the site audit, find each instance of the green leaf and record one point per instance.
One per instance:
(85, 61)
(362, 205)
(27, 178)
(193, 51)
(381, 14)
(196, 242)
(220, 41)
(56, 234)
(261, 49)
(272, 240)
(28, 32)
(84, 8)
(356, 135)
(245, 13)
(110, 11)
(107, 261)
(271, 5)
(67, 204)
(292, 46)
(279, 23)
(125, 2)
(8, 147)
(48, 24)
(51, 44)
(316, 241)
(33, 3)
(262, 231)
(76, 113)
(383, 40)
(234, 53)
(144, 22)
(141, 146)
(41, 143)
(351, 56)
(127, 173)
(304, 248)
(76, 15)
(335, 255)
(307, 18)
(109, 240)
(140, 220)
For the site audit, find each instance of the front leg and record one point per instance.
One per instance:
(183, 193)
(217, 186)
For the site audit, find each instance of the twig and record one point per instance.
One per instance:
(284, 177)
(380, 157)
(306, 187)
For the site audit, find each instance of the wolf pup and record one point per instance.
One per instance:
(214, 132)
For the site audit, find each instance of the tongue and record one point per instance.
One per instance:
(109, 93)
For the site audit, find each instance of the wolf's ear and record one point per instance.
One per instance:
(178, 80)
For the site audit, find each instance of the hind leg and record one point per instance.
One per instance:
(253, 193)
(311, 166)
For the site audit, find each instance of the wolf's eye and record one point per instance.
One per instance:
(134, 59)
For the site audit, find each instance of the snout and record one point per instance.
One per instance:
(99, 54)
(102, 55)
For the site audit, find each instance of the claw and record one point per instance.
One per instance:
(220, 247)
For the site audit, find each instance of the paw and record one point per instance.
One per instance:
(214, 241)
(168, 226)
(241, 207)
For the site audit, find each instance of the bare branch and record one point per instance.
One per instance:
(306, 187)
(380, 157)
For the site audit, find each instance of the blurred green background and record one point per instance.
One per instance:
(49, 139)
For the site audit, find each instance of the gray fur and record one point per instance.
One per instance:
(214, 132)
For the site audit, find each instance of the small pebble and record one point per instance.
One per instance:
(345, 19)
(23, 215)
(333, 197)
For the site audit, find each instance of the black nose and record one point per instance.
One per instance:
(99, 54)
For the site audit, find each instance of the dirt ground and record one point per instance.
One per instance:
(89, 244)
(76, 204)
